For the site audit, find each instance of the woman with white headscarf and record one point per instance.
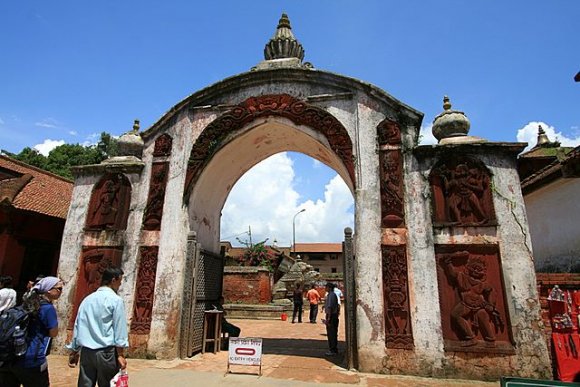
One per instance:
(7, 294)
(31, 370)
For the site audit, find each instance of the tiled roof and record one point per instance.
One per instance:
(46, 193)
(552, 172)
(318, 248)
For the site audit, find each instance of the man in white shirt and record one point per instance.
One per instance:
(100, 333)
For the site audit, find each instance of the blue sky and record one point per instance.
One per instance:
(70, 69)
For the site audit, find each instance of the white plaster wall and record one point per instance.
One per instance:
(553, 214)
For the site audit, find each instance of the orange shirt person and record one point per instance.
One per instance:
(313, 298)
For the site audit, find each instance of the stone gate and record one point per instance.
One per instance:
(444, 275)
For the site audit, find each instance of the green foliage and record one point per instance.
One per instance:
(63, 157)
(259, 255)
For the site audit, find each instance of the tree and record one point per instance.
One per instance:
(259, 255)
(63, 157)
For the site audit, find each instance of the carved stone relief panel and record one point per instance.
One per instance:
(392, 210)
(109, 204)
(93, 262)
(474, 317)
(389, 132)
(163, 145)
(155, 200)
(398, 330)
(141, 322)
(461, 193)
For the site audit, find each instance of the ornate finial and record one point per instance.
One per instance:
(450, 123)
(283, 44)
(136, 126)
(542, 137)
(446, 103)
(284, 22)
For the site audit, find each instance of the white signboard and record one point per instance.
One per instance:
(245, 351)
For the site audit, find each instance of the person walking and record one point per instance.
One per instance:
(331, 310)
(313, 298)
(100, 335)
(31, 370)
(298, 303)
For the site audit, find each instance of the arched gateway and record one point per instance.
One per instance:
(444, 279)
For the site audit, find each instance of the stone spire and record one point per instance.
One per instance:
(542, 137)
(283, 50)
(283, 44)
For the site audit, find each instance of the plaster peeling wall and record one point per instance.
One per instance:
(75, 237)
(166, 311)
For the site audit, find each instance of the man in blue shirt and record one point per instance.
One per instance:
(100, 333)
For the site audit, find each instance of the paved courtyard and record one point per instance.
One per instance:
(293, 355)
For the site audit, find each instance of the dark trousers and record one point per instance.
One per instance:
(97, 366)
(313, 312)
(297, 310)
(332, 333)
(230, 329)
(28, 377)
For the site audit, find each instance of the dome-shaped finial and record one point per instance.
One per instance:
(542, 137)
(283, 44)
(136, 126)
(450, 123)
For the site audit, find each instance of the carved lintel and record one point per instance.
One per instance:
(300, 112)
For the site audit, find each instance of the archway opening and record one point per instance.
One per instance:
(258, 160)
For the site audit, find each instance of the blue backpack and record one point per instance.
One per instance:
(13, 334)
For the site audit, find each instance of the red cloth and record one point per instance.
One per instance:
(567, 365)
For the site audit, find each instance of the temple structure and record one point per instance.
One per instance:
(443, 283)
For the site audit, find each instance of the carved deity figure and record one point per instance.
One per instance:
(476, 310)
(94, 266)
(154, 210)
(391, 198)
(105, 212)
(465, 187)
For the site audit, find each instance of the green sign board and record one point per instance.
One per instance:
(519, 382)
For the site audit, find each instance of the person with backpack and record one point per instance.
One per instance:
(38, 327)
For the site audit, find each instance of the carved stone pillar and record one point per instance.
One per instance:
(397, 316)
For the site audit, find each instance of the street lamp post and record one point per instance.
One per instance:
(294, 229)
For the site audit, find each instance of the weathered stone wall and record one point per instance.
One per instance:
(247, 285)
(359, 108)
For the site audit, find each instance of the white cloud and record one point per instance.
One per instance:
(265, 200)
(47, 146)
(426, 135)
(529, 134)
(316, 164)
(48, 123)
(72, 132)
